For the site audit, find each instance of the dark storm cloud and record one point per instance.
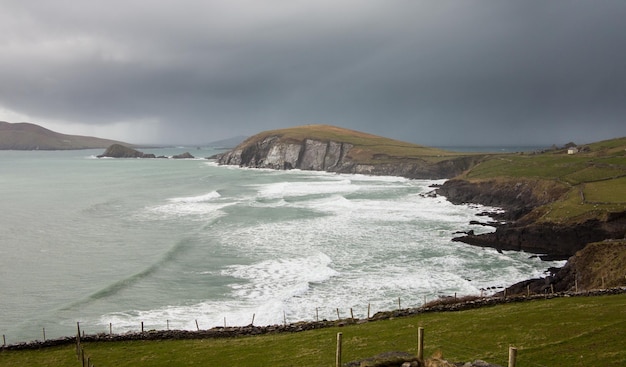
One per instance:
(432, 72)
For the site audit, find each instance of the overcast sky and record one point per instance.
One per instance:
(438, 72)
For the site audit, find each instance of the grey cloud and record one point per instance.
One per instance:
(444, 72)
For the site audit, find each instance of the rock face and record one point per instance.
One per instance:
(597, 266)
(518, 198)
(333, 156)
(121, 151)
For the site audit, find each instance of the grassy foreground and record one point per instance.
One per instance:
(577, 331)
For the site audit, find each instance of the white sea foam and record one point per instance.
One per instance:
(196, 199)
(280, 278)
(304, 188)
(200, 207)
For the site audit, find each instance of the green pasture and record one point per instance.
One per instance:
(576, 331)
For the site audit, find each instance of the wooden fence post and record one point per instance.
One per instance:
(44, 334)
(4, 340)
(197, 327)
(142, 327)
(252, 323)
(369, 308)
(420, 344)
(110, 329)
(338, 317)
(78, 347)
(338, 355)
(512, 356)
(317, 314)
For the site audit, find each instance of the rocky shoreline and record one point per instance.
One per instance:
(518, 233)
(448, 304)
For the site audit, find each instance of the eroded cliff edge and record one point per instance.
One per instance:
(275, 152)
(520, 230)
(598, 241)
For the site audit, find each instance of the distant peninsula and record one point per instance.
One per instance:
(27, 136)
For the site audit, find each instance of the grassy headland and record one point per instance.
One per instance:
(575, 331)
(594, 179)
(367, 148)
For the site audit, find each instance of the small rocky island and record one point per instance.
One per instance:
(122, 151)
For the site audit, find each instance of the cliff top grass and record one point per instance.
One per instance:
(595, 178)
(366, 146)
(592, 332)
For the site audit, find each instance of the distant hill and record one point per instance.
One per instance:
(27, 136)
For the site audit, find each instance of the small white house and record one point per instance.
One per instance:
(572, 150)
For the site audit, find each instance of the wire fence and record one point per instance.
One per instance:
(439, 305)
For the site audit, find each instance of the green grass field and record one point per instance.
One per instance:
(595, 178)
(576, 331)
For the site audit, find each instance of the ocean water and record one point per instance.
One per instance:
(118, 242)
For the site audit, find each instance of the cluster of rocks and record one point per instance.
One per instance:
(121, 151)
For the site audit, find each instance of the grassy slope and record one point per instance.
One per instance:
(596, 179)
(366, 146)
(591, 333)
(601, 265)
(26, 136)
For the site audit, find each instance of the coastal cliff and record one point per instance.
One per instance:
(554, 204)
(521, 231)
(332, 149)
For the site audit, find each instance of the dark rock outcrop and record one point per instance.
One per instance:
(185, 155)
(121, 151)
(521, 233)
(552, 241)
(333, 156)
(516, 197)
(598, 265)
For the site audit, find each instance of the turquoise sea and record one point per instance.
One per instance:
(117, 242)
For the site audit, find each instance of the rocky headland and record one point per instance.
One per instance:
(332, 149)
